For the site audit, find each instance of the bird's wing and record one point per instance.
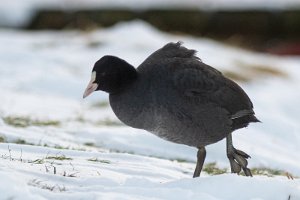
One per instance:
(196, 81)
(202, 84)
(165, 55)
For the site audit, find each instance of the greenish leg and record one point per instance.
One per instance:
(237, 158)
(200, 160)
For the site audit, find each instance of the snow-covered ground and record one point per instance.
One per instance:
(86, 153)
(18, 13)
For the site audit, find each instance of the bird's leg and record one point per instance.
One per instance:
(237, 158)
(200, 160)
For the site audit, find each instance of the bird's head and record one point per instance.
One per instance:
(110, 74)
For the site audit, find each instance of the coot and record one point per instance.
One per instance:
(176, 96)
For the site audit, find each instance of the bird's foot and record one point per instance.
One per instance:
(238, 161)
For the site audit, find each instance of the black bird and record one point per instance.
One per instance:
(175, 96)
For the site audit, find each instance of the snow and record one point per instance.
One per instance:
(15, 13)
(125, 177)
(42, 77)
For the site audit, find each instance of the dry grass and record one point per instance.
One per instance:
(99, 160)
(2, 139)
(27, 121)
(40, 184)
(109, 122)
(58, 157)
(100, 104)
(249, 72)
(213, 169)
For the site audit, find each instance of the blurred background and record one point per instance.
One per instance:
(48, 48)
(268, 26)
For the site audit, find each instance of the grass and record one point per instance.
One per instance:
(101, 104)
(58, 157)
(103, 122)
(95, 44)
(108, 122)
(21, 141)
(267, 70)
(267, 171)
(17, 141)
(99, 160)
(248, 72)
(42, 185)
(213, 169)
(60, 147)
(239, 77)
(27, 121)
(128, 152)
(270, 172)
(65, 147)
(38, 161)
(2, 139)
(180, 160)
(90, 144)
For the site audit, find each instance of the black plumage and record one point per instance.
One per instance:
(174, 95)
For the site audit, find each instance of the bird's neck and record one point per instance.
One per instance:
(128, 104)
(123, 81)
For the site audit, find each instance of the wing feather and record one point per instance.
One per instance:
(199, 81)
